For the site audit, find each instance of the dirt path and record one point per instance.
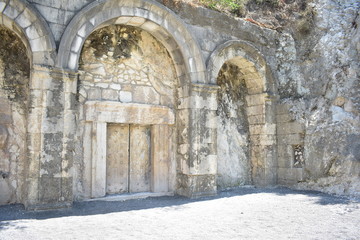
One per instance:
(245, 213)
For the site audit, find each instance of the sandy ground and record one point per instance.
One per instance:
(244, 213)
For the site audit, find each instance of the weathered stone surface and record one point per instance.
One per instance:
(271, 106)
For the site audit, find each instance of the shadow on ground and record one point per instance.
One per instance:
(17, 211)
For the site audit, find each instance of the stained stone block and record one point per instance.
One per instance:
(3, 136)
(49, 189)
(109, 94)
(125, 96)
(195, 186)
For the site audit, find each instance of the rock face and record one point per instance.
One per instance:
(107, 97)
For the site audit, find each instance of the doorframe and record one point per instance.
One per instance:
(100, 113)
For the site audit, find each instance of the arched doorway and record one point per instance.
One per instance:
(127, 96)
(14, 96)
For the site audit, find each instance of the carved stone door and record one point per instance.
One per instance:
(128, 158)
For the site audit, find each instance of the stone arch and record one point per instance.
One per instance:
(148, 15)
(259, 105)
(30, 26)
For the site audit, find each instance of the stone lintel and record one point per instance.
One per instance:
(131, 113)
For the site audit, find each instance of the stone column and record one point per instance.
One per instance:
(197, 151)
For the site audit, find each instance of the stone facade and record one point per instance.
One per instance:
(112, 97)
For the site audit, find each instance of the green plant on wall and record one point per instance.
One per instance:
(237, 7)
(225, 5)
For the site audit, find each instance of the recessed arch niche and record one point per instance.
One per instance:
(246, 115)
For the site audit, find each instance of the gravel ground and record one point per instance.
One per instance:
(243, 213)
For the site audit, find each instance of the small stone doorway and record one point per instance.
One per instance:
(128, 158)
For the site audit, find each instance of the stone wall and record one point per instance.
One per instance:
(230, 102)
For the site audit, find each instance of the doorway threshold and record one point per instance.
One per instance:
(130, 196)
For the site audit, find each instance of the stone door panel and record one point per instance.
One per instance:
(128, 159)
(117, 160)
(140, 162)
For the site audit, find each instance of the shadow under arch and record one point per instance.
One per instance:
(147, 15)
(259, 105)
(30, 26)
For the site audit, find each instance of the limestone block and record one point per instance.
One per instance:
(99, 160)
(257, 99)
(285, 161)
(255, 110)
(49, 189)
(5, 118)
(70, 122)
(283, 118)
(3, 136)
(289, 176)
(133, 113)
(150, 26)
(292, 139)
(126, 96)
(263, 140)
(5, 107)
(35, 119)
(146, 95)
(115, 86)
(36, 98)
(256, 119)
(2, 6)
(282, 109)
(12, 11)
(109, 94)
(25, 19)
(77, 43)
(290, 128)
(262, 129)
(54, 15)
(136, 21)
(84, 29)
(39, 44)
(32, 32)
(195, 186)
(102, 85)
(72, 61)
(94, 94)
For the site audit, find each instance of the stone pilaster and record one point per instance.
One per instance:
(49, 133)
(198, 157)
